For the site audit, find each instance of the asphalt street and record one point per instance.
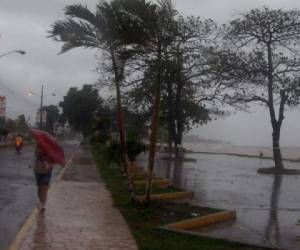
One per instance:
(18, 190)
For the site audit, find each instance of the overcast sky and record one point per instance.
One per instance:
(24, 25)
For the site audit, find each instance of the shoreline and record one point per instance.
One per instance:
(240, 155)
(291, 154)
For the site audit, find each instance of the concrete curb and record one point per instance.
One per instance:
(203, 221)
(23, 231)
(29, 222)
(166, 196)
(160, 183)
(186, 226)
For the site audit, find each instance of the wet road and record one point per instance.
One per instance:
(267, 206)
(17, 189)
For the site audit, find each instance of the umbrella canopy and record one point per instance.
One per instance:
(47, 143)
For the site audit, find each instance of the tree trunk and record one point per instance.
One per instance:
(276, 149)
(171, 118)
(154, 127)
(170, 144)
(124, 157)
(276, 125)
(176, 150)
(121, 128)
(178, 104)
(179, 121)
(120, 117)
(179, 141)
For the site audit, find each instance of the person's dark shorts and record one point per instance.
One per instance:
(43, 179)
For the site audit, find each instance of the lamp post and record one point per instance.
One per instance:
(41, 107)
(21, 52)
(30, 93)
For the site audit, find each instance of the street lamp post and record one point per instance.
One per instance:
(41, 107)
(30, 93)
(21, 52)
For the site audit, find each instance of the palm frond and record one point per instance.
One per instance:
(118, 22)
(74, 34)
(167, 6)
(82, 12)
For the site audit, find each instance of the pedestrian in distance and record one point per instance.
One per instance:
(43, 171)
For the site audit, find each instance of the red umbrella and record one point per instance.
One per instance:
(49, 146)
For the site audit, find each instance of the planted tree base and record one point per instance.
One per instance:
(274, 170)
(158, 182)
(166, 196)
(203, 221)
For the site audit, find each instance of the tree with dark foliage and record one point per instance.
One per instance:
(52, 117)
(262, 64)
(80, 106)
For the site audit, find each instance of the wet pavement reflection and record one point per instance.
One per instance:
(268, 206)
(272, 228)
(40, 235)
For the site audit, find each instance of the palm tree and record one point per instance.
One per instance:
(162, 33)
(117, 28)
(122, 28)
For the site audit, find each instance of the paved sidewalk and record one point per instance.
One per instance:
(79, 213)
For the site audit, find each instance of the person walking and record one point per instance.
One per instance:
(43, 171)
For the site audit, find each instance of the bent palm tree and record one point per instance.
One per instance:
(161, 38)
(115, 28)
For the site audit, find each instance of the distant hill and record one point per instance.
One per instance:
(196, 138)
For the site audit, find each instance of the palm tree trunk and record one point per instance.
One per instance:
(154, 127)
(124, 157)
(120, 118)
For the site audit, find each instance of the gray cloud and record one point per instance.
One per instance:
(24, 25)
(243, 128)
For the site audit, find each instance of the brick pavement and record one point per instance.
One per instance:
(79, 214)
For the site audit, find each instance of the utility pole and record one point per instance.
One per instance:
(39, 120)
(41, 107)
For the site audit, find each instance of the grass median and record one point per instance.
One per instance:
(144, 221)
